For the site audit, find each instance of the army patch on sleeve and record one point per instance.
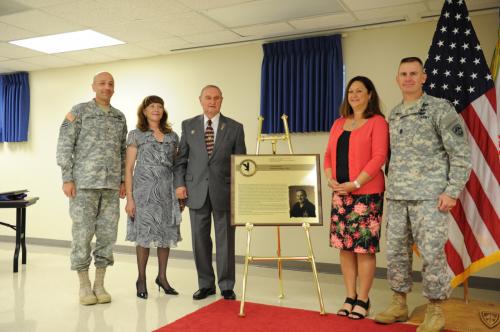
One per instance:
(458, 130)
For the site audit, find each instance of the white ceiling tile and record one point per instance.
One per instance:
(268, 11)
(86, 56)
(87, 13)
(412, 11)
(204, 4)
(8, 7)
(144, 9)
(42, 3)
(14, 51)
(39, 22)
(9, 33)
(136, 31)
(213, 38)
(164, 46)
(125, 51)
(18, 65)
(265, 30)
(191, 23)
(323, 22)
(51, 61)
(435, 5)
(152, 27)
(364, 4)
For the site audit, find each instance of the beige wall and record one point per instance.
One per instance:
(178, 78)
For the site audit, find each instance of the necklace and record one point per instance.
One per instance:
(354, 123)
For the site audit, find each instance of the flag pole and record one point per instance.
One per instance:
(466, 291)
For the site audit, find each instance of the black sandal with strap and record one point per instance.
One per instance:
(345, 312)
(356, 315)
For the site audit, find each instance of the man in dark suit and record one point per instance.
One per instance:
(202, 174)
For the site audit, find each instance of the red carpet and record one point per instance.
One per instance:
(223, 316)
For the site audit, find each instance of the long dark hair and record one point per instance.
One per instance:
(142, 122)
(373, 106)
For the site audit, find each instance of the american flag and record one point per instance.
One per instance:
(457, 70)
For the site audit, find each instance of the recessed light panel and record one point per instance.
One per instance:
(65, 42)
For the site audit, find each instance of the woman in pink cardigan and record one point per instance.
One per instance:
(357, 149)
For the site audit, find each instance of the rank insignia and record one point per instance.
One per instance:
(457, 130)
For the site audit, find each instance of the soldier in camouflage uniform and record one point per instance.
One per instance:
(428, 168)
(91, 154)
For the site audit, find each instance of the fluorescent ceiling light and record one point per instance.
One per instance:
(69, 41)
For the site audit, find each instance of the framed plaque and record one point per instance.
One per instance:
(276, 190)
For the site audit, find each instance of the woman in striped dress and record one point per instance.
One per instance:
(153, 211)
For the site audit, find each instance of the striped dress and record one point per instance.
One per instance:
(158, 217)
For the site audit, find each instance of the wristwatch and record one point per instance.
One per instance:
(356, 184)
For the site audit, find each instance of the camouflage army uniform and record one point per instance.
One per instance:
(91, 152)
(430, 155)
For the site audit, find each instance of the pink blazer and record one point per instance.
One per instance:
(368, 146)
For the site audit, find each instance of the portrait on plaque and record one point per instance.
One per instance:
(275, 190)
(301, 202)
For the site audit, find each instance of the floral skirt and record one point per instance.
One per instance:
(356, 221)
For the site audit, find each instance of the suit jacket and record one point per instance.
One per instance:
(201, 174)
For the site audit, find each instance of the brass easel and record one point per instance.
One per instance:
(274, 138)
(309, 258)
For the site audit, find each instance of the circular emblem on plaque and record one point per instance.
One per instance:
(248, 167)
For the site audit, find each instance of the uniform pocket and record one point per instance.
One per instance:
(91, 127)
(424, 136)
(115, 127)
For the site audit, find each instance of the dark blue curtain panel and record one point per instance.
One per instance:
(14, 107)
(303, 79)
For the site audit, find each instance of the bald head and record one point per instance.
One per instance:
(104, 87)
(102, 75)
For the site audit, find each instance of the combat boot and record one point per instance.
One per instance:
(100, 292)
(87, 296)
(396, 312)
(434, 318)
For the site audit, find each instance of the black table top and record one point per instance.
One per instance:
(18, 203)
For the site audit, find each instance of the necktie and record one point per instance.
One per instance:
(209, 138)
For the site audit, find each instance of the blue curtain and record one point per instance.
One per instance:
(14, 107)
(303, 79)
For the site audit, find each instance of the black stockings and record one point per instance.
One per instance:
(162, 266)
(142, 261)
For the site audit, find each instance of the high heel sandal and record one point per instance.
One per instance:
(142, 295)
(356, 315)
(345, 312)
(168, 290)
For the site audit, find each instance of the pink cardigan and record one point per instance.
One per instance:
(368, 146)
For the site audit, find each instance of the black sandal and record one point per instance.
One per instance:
(356, 315)
(345, 312)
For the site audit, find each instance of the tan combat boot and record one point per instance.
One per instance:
(87, 296)
(434, 318)
(100, 292)
(396, 312)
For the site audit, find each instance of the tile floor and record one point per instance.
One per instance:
(43, 296)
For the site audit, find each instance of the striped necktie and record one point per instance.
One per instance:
(209, 138)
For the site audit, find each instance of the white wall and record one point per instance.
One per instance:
(178, 78)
